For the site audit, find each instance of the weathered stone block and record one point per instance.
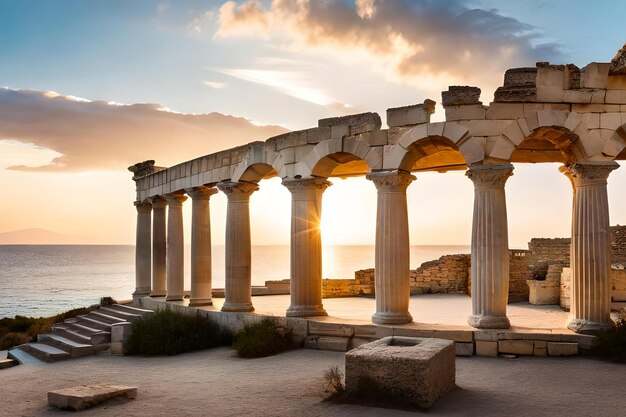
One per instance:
(516, 77)
(505, 111)
(550, 82)
(595, 75)
(464, 349)
(615, 96)
(466, 112)
(369, 119)
(336, 344)
(410, 115)
(486, 348)
(119, 335)
(85, 396)
(412, 370)
(516, 347)
(562, 349)
(543, 292)
(457, 95)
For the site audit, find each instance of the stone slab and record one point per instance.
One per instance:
(562, 349)
(485, 348)
(86, 396)
(516, 347)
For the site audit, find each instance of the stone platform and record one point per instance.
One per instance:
(536, 330)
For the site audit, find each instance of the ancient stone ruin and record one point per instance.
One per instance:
(547, 113)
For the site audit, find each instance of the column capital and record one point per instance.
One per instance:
(300, 184)
(175, 200)
(201, 193)
(589, 173)
(143, 206)
(391, 180)
(489, 176)
(237, 191)
(158, 202)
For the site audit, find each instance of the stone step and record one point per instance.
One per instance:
(8, 363)
(93, 323)
(70, 334)
(44, 352)
(130, 309)
(22, 357)
(104, 317)
(334, 343)
(78, 327)
(75, 349)
(116, 312)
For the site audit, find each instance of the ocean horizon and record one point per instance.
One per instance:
(43, 280)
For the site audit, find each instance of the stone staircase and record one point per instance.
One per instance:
(79, 336)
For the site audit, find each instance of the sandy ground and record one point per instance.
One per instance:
(216, 383)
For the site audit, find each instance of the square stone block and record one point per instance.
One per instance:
(543, 292)
(412, 370)
(516, 347)
(484, 348)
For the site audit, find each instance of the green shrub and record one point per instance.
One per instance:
(107, 301)
(264, 338)
(610, 344)
(169, 333)
(9, 340)
(333, 381)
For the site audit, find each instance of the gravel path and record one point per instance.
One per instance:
(216, 383)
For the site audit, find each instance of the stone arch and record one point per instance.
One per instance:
(341, 157)
(255, 166)
(432, 146)
(558, 136)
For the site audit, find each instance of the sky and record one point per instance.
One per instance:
(88, 88)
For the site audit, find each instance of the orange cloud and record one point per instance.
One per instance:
(419, 43)
(96, 135)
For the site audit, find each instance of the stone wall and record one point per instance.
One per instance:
(361, 285)
(448, 274)
(546, 252)
(566, 288)
(519, 272)
(618, 244)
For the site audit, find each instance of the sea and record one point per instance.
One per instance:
(44, 280)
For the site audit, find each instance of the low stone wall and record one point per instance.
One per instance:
(566, 288)
(519, 272)
(361, 285)
(448, 274)
(546, 252)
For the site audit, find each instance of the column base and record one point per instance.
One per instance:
(200, 302)
(141, 293)
(306, 311)
(489, 322)
(586, 327)
(238, 307)
(158, 294)
(392, 318)
(169, 297)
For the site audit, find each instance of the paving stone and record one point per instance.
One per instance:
(86, 396)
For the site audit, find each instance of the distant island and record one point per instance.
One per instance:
(34, 236)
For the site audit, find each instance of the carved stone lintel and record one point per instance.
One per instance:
(201, 192)
(489, 176)
(391, 181)
(175, 200)
(589, 173)
(237, 190)
(296, 185)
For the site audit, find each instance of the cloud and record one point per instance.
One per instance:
(96, 135)
(421, 43)
(214, 84)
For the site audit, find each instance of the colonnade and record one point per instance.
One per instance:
(159, 266)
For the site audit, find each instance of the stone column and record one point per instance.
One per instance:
(201, 294)
(490, 247)
(238, 279)
(306, 246)
(142, 250)
(393, 280)
(175, 248)
(159, 247)
(591, 246)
